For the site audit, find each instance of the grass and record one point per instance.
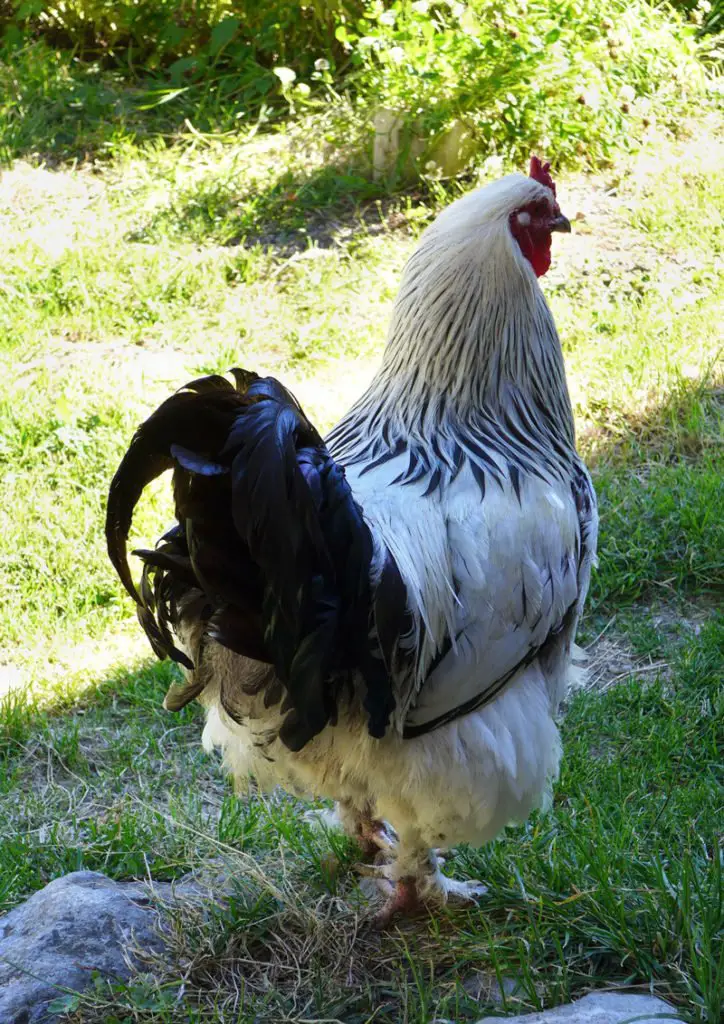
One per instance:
(120, 281)
(87, 76)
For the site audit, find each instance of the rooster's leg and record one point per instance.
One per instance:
(414, 881)
(372, 834)
(374, 837)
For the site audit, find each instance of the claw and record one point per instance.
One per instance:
(463, 893)
(404, 899)
(376, 835)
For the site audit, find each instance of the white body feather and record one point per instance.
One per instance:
(464, 781)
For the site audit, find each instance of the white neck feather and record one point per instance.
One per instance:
(471, 338)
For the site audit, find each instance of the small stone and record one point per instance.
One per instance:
(597, 1008)
(77, 925)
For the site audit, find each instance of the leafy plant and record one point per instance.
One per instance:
(575, 78)
(449, 82)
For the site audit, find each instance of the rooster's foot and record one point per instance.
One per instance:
(375, 837)
(454, 891)
(411, 893)
(403, 899)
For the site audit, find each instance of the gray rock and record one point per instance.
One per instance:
(596, 1008)
(78, 924)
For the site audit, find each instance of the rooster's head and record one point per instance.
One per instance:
(470, 327)
(509, 217)
(532, 225)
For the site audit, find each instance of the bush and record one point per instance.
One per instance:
(447, 80)
(205, 46)
(575, 78)
(159, 33)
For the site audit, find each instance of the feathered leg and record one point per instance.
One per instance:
(372, 834)
(406, 870)
(413, 880)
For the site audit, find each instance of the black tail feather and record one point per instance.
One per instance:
(271, 549)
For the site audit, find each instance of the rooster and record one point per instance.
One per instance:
(387, 618)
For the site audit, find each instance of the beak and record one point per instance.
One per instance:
(560, 223)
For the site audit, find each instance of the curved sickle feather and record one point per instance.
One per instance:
(149, 455)
(137, 469)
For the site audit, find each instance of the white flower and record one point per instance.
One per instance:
(387, 18)
(592, 98)
(321, 64)
(492, 167)
(396, 54)
(285, 75)
(627, 93)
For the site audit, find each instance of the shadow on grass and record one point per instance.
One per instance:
(659, 476)
(295, 209)
(136, 687)
(57, 110)
(687, 424)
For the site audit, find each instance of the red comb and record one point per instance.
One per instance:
(540, 172)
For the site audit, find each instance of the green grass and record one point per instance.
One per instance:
(120, 282)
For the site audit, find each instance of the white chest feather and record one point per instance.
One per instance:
(488, 576)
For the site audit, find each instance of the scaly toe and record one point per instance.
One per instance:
(463, 893)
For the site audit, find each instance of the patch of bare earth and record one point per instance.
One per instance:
(613, 659)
